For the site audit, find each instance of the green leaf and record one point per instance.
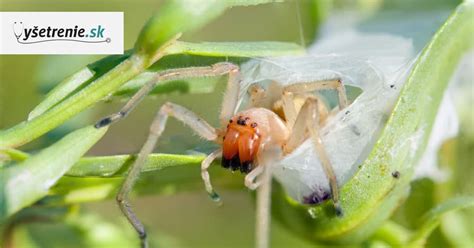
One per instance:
(432, 219)
(97, 178)
(106, 166)
(28, 130)
(78, 80)
(76, 229)
(67, 86)
(182, 16)
(236, 49)
(370, 197)
(30, 180)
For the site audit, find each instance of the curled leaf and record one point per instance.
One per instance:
(432, 219)
(374, 192)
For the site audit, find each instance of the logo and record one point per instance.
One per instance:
(37, 34)
(61, 33)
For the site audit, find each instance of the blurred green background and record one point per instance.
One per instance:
(190, 219)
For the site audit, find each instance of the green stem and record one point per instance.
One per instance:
(96, 91)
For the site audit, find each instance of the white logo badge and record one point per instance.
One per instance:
(61, 33)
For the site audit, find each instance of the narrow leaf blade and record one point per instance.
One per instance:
(66, 87)
(182, 16)
(236, 49)
(30, 180)
(106, 166)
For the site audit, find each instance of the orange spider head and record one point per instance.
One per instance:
(241, 143)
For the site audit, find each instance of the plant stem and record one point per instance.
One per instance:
(96, 91)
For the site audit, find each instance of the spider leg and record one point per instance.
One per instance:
(335, 84)
(289, 108)
(262, 226)
(201, 127)
(298, 128)
(257, 95)
(264, 188)
(308, 121)
(250, 179)
(169, 75)
(313, 128)
(231, 95)
(205, 174)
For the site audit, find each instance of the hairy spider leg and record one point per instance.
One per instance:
(311, 122)
(205, 164)
(308, 121)
(251, 178)
(201, 127)
(332, 84)
(262, 225)
(186, 116)
(218, 69)
(257, 94)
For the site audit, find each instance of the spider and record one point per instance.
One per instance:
(275, 122)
